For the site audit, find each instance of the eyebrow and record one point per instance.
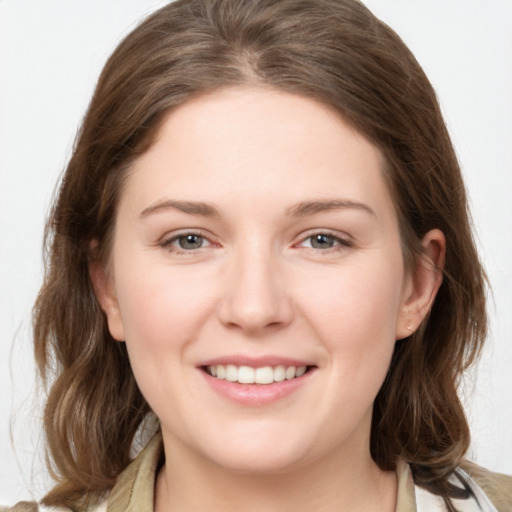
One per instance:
(190, 207)
(302, 209)
(306, 208)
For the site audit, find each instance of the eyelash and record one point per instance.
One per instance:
(340, 243)
(168, 242)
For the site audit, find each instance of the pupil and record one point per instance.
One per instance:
(322, 241)
(190, 241)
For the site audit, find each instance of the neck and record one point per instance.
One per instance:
(336, 483)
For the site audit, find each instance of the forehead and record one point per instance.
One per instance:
(257, 144)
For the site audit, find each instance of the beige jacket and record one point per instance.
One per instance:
(134, 489)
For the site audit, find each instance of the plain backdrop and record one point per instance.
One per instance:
(51, 53)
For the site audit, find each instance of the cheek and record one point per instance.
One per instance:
(349, 297)
(355, 315)
(163, 313)
(162, 308)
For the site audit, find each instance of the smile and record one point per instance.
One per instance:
(262, 375)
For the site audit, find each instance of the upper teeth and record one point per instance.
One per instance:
(249, 375)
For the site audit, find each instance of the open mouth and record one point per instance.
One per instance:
(260, 375)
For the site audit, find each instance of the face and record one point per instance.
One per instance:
(257, 279)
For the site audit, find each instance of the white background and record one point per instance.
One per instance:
(51, 53)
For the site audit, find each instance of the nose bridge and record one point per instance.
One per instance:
(256, 296)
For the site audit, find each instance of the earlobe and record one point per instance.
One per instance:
(104, 290)
(422, 284)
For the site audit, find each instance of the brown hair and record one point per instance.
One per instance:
(337, 52)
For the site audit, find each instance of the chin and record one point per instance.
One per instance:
(259, 462)
(258, 453)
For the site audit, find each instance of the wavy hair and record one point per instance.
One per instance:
(339, 53)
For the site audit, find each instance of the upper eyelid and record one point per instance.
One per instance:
(342, 236)
(167, 239)
(187, 231)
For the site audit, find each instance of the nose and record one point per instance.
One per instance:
(255, 298)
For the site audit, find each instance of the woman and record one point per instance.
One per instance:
(262, 238)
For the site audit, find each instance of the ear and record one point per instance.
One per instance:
(422, 284)
(104, 289)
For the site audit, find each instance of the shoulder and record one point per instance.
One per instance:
(22, 506)
(33, 506)
(496, 486)
(132, 491)
(481, 490)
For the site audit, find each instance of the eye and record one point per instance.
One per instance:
(191, 241)
(325, 241)
(322, 241)
(187, 242)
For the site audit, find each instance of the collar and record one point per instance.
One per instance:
(134, 488)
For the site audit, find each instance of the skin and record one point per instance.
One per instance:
(260, 286)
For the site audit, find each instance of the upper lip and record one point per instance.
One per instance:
(255, 361)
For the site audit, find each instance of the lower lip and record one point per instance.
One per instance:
(256, 394)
